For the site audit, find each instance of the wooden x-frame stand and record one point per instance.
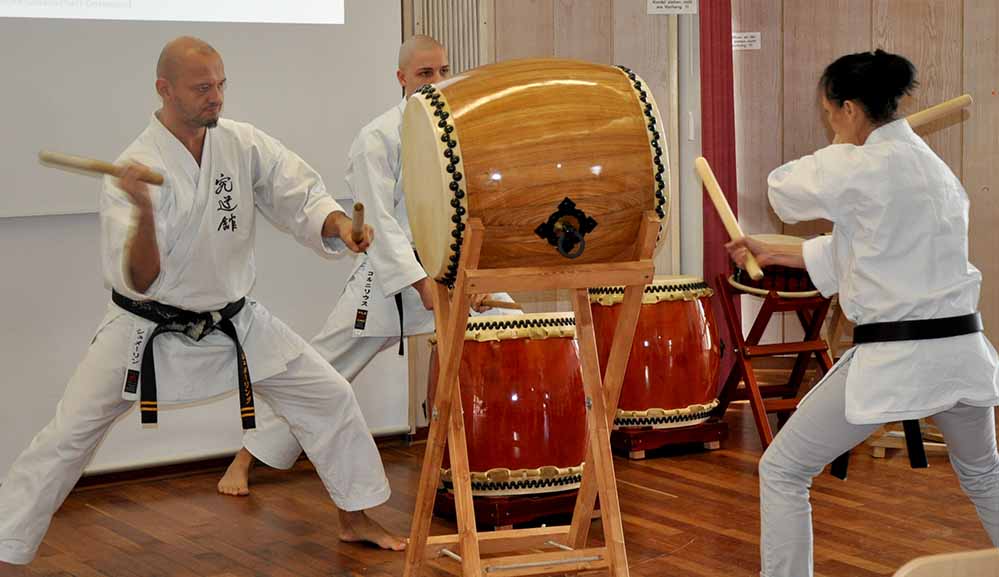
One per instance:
(547, 550)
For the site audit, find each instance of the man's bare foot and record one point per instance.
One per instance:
(236, 481)
(356, 526)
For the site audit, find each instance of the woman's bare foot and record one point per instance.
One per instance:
(236, 481)
(356, 526)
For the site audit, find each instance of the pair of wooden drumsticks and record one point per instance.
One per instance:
(152, 177)
(700, 165)
(725, 211)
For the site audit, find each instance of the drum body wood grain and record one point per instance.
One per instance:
(522, 399)
(672, 374)
(509, 143)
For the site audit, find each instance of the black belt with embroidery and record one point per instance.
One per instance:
(170, 319)
(917, 330)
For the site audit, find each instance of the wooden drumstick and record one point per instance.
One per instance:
(938, 111)
(495, 304)
(725, 212)
(357, 224)
(96, 166)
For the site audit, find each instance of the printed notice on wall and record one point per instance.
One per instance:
(672, 6)
(745, 41)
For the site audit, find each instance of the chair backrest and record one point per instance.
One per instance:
(984, 563)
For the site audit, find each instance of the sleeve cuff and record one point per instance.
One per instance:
(400, 281)
(817, 254)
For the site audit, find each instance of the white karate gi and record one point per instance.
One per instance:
(898, 251)
(389, 267)
(205, 221)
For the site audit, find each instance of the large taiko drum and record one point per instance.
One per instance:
(522, 397)
(672, 375)
(787, 282)
(559, 158)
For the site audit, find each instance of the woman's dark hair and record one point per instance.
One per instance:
(877, 80)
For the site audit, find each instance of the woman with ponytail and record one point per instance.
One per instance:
(898, 258)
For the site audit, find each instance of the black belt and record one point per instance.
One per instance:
(170, 319)
(402, 319)
(402, 316)
(918, 330)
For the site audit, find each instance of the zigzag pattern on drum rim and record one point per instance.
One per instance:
(452, 153)
(501, 481)
(659, 173)
(653, 417)
(653, 293)
(514, 323)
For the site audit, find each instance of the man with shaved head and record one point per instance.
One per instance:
(389, 294)
(180, 327)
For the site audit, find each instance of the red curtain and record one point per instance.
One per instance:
(718, 144)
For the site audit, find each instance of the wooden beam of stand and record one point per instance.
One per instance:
(503, 541)
(617, 363)
(553, 277)
(600, 462)
(547, 563)
(452, 319)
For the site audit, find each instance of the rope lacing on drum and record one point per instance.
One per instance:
(453, 168)
(653, 130)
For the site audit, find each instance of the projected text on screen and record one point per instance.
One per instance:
(263, 11)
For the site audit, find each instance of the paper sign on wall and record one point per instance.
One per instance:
(746, 41)
(672, 6)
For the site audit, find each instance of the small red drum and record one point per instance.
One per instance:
(672, 375)
(522, 397)
(788, 282)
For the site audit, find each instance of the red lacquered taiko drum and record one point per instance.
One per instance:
(522, 397)
(671, 379)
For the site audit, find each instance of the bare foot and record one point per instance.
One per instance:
(236, 481)
(356, 526)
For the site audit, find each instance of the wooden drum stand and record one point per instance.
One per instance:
(546, 550)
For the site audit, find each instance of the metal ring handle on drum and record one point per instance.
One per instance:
(575, 241)
(565, 229)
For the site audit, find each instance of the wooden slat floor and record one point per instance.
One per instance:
(686, 513)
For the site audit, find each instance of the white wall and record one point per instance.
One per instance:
(51, 291)
(692, 202)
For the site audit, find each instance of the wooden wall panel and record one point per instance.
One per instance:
(981, 150)
(758, 111)
(758, 127)
(524, 28)
(584, 30)
(642, 43)
(815, 33)
(929, 33)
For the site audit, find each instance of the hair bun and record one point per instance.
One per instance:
(897, 74)
(875, 79)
